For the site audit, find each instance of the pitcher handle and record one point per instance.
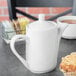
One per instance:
(12, 45)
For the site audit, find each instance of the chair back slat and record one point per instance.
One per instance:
(44, 3)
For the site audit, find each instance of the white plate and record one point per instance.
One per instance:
(70, 32)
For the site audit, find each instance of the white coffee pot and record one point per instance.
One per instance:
(42, 41)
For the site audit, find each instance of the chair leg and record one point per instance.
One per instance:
(11, 9)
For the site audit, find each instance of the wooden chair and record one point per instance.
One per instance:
(12, 4)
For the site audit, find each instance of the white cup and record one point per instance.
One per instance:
(70, 31)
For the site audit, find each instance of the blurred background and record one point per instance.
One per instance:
(52, 11)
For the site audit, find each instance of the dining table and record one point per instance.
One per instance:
(11, 66)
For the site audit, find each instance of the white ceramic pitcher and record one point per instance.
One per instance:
(42, 41)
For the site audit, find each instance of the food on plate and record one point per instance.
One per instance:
(68, 65)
